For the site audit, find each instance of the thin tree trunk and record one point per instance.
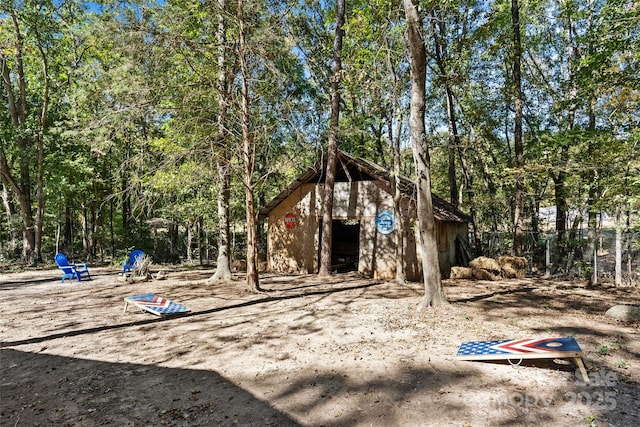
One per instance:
(468, 185)
(618, 267)
(67, 239)
(560, 196)
(394, 143)
(592, 198)
(111, 228)
(454, 141)
(189, 242)
(9, 209)
(441, 54)
(248, 156)
(85, 232)
(40, 142)
(200, 239)
(517, 136)
(223, 263)
(126, 203)
(18, 112)
(629, 245)
(394, 148)
(433, 294)
(332, 149)
(455, 146)
(560, 176)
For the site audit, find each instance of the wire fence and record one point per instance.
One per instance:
(573, 257)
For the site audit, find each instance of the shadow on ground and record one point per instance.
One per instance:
(101, 393)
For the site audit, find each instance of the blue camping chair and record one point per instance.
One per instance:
(131, 261)
(71, 271)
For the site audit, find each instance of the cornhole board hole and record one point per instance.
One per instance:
(155, 305)
(514, 351)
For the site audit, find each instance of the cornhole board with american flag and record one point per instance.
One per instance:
(537, 348)
(155, 305)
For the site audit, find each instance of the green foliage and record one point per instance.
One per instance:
(622, 364)
(132, 130)
(603, 350)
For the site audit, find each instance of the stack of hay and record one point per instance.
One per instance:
(513, 267)
(484, 268)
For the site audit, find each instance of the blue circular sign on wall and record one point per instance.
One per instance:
(384, 222)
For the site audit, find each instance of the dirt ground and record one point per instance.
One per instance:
(343, 351)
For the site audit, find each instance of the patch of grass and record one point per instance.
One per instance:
(603, 350)
(591, 421)
(622, 364)
(606, 347)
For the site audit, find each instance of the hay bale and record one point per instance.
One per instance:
(461, 273)
(485, 263)
(513, 267)
(482, 274)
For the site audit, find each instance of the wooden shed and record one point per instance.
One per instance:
(364, 233)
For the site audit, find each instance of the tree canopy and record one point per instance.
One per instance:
(116, 118)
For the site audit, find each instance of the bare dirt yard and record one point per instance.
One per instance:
(343, 351)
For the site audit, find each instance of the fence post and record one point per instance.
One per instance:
(547, 255)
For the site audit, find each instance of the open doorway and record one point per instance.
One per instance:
(345, 245)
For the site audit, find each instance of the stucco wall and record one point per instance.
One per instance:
(294, 250)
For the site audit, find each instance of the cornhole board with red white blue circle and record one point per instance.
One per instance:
(155, 305)
(537, 348)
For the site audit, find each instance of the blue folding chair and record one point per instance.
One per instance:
(131, 261)
(71, 271)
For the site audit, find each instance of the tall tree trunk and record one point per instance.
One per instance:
(17, 107)
(591, 254)
(201, 249)
(189, 239)
(454, 141)
(629, 243)
(394, 144)
(468, 185)
(332, 149)
(67, 239)
(223, 263)
(441, 55)
(560, 195)
(40, 198)
(393, 141)
(560, 176)
(112, 242)
(517, 136)
(433, 294)
(173, 240)
(86, 244)
(619, 238)
(248, 155)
